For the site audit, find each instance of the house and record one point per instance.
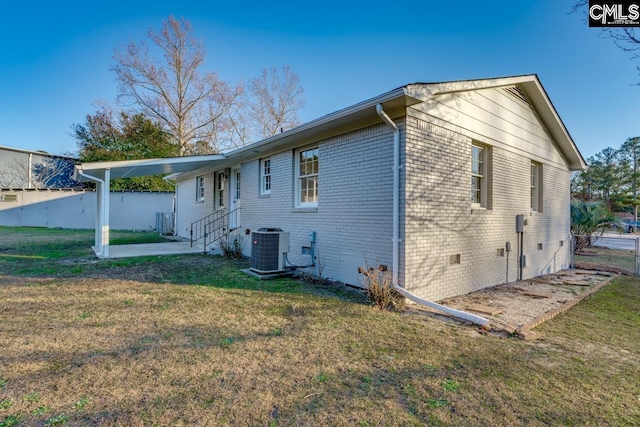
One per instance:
(34, 169)
(454, 186)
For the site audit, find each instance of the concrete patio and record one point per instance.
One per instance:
(148, 249)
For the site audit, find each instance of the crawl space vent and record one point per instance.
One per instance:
(8, 197)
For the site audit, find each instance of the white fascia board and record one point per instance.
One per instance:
(38, 153)
(345, 120)
(536, 94)
(142, 167)
(324, 121)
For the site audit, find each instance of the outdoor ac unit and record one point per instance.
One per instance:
(268, 249)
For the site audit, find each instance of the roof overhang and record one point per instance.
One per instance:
(352, 118)
(130, 168)
(537, 96)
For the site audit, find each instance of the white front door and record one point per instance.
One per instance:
(234, 197)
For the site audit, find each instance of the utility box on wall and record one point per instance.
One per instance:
(268, 249)
(520, 223)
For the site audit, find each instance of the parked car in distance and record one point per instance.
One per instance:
(625, 224)
(629, 224)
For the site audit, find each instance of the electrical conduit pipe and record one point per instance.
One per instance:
(396, 233)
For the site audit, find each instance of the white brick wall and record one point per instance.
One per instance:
(441, 223)
(188, 209)
(353, 218)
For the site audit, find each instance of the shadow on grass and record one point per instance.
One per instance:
(56, 253)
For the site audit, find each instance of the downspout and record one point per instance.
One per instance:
(98, 231)
(396, 233)
(396, 191)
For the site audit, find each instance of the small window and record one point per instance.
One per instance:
(307, 164)
(536, 189)
(265, 176)
(200, 189)
(238, 182)
(479, 176)
(220, 190)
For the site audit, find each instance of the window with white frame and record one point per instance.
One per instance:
(238, 182)
(479, 176)
(200, 189)
(219, 196)
(265, 176)
(307, 177)
(536, 189)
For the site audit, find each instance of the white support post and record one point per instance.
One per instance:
(104, 223)
(98, 230)
(637, 271)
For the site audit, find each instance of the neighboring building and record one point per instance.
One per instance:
(34, 169)
(427, 179)
(76, 209)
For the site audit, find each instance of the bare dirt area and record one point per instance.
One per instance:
(525, 304)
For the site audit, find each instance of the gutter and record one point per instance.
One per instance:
(324, 120)
(396, 233)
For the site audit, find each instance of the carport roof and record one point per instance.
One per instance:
(129, 168)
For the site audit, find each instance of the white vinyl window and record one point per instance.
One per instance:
(265, 176)
(219, 198)
(307, 177)
(200, 189)
(536, 189)
(478, 176)
(238, 182)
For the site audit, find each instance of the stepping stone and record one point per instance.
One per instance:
(576, 283)
(538, 294)
(484, 309)
(510, 329)
(529, 335)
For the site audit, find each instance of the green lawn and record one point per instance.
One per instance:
(616, 258)
(189, 340)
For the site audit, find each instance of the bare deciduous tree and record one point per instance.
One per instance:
(175, 91)
(275, 101)
(269, 105)
(624, 37)
(15, 174)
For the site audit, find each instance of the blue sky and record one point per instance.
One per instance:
(55, 57)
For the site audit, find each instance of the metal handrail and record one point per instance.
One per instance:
(197, 227)
(212, 227)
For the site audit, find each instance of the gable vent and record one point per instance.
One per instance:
(8, 197)
(517, 93)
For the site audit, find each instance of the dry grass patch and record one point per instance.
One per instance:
(620, 259)
(129, 344)
(117, 352)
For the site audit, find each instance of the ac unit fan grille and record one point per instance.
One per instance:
(265, 252)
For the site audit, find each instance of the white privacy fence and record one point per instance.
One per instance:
(77, 208)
